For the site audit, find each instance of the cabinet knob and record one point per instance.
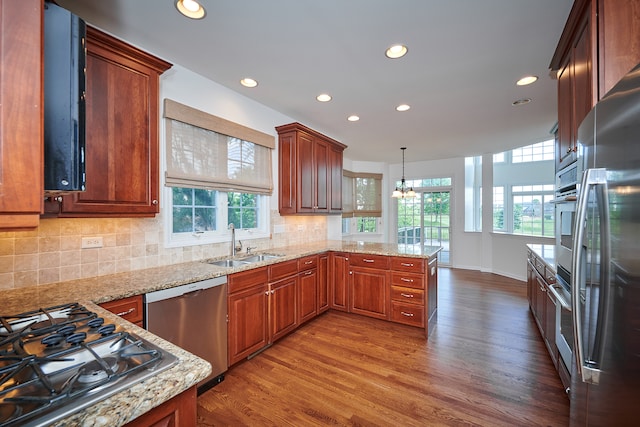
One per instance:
(154, 202)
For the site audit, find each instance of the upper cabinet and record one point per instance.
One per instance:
(600, 43)
(309, 171)
(21, 114)
(122, 129)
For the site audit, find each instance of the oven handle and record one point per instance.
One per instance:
(597, 179)
(563, 302)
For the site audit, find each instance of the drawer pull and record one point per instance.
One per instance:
(406, 295)
(406, 314)
(308, 262)
(406, 280)
(367, 260)
(124, 313)
(308, 273)
(406, 264)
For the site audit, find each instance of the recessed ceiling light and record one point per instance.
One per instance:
(526, 80)
(248, 82)
(521, 101)
(353, 118)
(396, 51)
(191, 9)
(323, 97)
(402, 107)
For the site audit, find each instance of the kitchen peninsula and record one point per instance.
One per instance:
(401, 271)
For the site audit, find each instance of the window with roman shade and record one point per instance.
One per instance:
(206, 151)
(361, 194)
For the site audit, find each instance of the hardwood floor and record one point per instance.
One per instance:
(484, 365)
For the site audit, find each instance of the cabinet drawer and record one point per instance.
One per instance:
(307, 262)
(539, 266)
(283, 269)
(371, 261)
(410, 265)
(129, 309)
(408, 280)
(409, 314)
(407, 295)
(247, 279)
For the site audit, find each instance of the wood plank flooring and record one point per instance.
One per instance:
(484, 365)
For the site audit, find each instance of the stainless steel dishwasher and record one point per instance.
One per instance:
(193, 317)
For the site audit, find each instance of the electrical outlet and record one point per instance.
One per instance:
(301, 228)
(91, 242)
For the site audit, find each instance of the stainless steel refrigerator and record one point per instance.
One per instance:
(605, 373)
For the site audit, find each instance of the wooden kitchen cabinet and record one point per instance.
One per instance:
(248, 310)
(307, 288)
(130, 309)
(309, 165)
(600, 43)
(339, 288)
(408, 291)
(542, 302)
(21, 114)
(323, 283)
(122, 127)
(179, 411)
(283, 300)
(369, 285)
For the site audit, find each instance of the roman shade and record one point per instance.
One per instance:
(206, 151)
(361, 194)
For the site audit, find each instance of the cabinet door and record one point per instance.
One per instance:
(248, 327)
(180, 410)
(550, 327)
(287, 172)
(339, 290)
(323, 283)
(307, 295)
(306, 191)
(321, 176)
(432, 295)
(564, 141)
(369, 291)
(122, 131)
(283, 307)
(541, 299)
(583, 82)
(21, 114)
(335, 173)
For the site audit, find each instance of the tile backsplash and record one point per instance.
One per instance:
(53, 252)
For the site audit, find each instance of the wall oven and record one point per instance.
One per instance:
(565, 215)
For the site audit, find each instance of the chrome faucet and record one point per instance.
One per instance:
(234, 248)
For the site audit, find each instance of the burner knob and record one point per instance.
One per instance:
(52, 340)
(106, 329)
(77, 338)
(67, 329)
(95, 323)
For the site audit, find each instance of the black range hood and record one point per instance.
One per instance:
(64, 100)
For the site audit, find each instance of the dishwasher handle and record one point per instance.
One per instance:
(184, 289)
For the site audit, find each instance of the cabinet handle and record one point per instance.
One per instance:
(273, 291)
(124, 313)
(308, 273)
(406, 264)
(367, 260)
(406, 295)
(406, 280)
(406, 314)
(308, 262)
(154, 202)
(266, 293)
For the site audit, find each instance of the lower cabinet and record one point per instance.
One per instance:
(179, 411)
(129, 309)
(338, 292)
(369, 290)
(248, 310)
(282, 307)
(323, 283)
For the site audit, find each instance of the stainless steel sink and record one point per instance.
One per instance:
(260, 257)
(229, 263)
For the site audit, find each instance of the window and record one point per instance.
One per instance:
(473, 193)
(534, 153)
(361, 202)
(522, 190)
(211, 165)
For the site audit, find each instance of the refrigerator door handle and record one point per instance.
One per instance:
(589, 370)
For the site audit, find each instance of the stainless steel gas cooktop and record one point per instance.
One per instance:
(57, 361)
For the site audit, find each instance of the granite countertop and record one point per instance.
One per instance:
(546, 253)
(129, 404)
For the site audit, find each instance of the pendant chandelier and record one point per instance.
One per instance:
(402, 192)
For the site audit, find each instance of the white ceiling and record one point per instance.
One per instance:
(459, 75)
